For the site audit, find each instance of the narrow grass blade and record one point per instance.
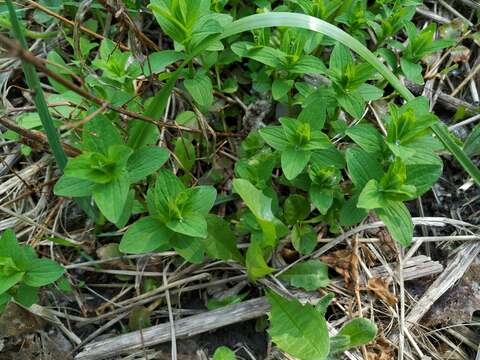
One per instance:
(33, 83)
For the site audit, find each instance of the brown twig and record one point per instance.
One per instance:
(72, 23)
(36, 136)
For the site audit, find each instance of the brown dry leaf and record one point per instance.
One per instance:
(380, 288)
(341, 261)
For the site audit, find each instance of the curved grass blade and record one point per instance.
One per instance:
(311, 23)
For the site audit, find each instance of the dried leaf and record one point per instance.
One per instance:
(380, 288)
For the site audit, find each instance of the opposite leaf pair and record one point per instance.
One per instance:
(107, 168)
(177, 218)
(22, 273)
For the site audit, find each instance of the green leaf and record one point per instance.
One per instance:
(7, 281)
(370, 92)
(255, 262)
(9, 246)
(281, 87)
(423, 176)
(74, 187)
(308, 64)
(223, 353)
(309, 275)
(398, 221)
(300, 330)
(190, 248)
(362, 167)
(157, 62)
(340, 57)
(112, 197)
(412, 71)
(193, 225)
(296, 208)
(145, 161)
(367, 137)
(294, 161)
(320, 197)
(41, 272)
(26, 295)
(324, 303)
(259, 204)
(371, 196)
(200, 199)
(146, 235)
(221, 242)
(304, 238)
(359, 331)
(200, 87)
(350, 214)
(472, 142)
(275, 137)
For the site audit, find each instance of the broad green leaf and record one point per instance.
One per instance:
(350, 214)
(26, 295)
(359, 331)
(145, 161)
(263, 54)
(300, 330)
(423, 176)
(308, 64)
(309, 275)
(200, 199)
(9, 246)
(100, 134)
(340, 57)
(255, 262)
(370, 92)
(304, 238)
(280, 88)
(397, 218)
(41, 272)
(190, 248)
(412, 71)
(371, 196)
(7, 281)
(159, 199)
(200, 87)
(193, 225)
(362, 167)
(146, 235)
(112, 197)
(157, 62)
(221, 242)
(294, 161)
(296, 208)
(353, 103)
(320, 197)
(224, 353)
(275, 137)
(367, 137)
(259, 204)
(74, 187)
